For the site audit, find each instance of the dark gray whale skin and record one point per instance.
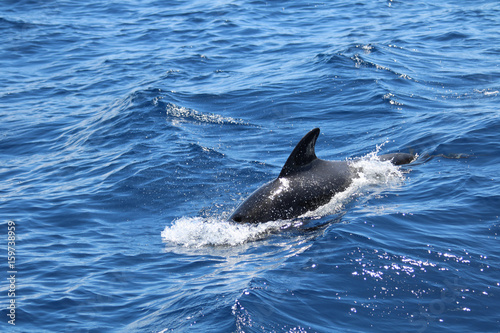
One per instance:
(304, 184)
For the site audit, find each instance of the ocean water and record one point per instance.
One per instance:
(129, 132)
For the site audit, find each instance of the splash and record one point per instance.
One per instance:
(370, 172)
(201, 232)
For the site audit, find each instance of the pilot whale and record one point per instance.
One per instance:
(304, 184)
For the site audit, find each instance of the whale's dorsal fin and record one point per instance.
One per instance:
(302, 154)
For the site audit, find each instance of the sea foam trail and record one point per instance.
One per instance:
(200, 232)
(213, 231)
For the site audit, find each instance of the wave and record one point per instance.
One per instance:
(357, 55)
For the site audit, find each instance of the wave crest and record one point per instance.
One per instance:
(183, 114)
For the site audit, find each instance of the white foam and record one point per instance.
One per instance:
(200, 232)
(371, 172)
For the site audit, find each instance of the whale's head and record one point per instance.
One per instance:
(263, 205)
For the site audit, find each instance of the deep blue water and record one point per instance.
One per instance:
(130, 130)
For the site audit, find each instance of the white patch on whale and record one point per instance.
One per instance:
(285, 185)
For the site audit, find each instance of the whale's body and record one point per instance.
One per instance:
(304, 184)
